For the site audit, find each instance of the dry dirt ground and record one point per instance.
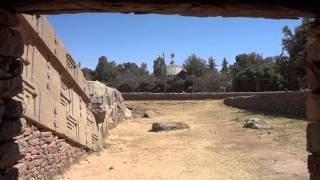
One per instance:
(215, 147)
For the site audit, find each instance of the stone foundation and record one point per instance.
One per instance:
(41, 154)
(290, 104)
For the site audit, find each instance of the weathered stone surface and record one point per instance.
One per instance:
(2, 110)
(313, 105)
(313, 137)
(11, 128)
(10, 87)
(9, 154)
(272, 103)
(255, 123)
(11, 42)
(150, 114)
(16, 67)
(13, 108)
(127, 113)
(8, 19)
(167, 126)
(314, 166)
(99, 113)
(249, 8)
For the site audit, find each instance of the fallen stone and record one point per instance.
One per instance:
(12, 43)
(127, 113)
(255, 123)
(150, 114)
(167, 126)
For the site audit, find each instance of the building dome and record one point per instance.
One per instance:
(173, 69)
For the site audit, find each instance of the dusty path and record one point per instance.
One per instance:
(215, 147)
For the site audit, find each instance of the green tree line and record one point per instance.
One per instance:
(249, 72)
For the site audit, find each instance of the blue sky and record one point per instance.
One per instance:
(141, 38)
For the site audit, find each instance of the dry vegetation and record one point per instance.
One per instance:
(215, 147)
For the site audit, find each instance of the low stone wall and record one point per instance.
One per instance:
(291, 104)
(189, 96)
(38, 152)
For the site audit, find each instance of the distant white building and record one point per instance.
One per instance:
(173, 69)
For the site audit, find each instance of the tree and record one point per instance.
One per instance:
(251, 72)
(225, 67)
(143, 69)
(159, 67)
(212, 65)
(293, 68)
(195, 66)
(88, 74)
(106, 71)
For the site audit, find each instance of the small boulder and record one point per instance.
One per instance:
(127, 113)
(255, 123)
(150, 114)
(167, 126)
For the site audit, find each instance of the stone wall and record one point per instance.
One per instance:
(47, 117)
(41, 154)
(189, 96)
(291, 104)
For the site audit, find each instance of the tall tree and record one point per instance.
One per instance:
(143, 69)
(293, 68)
(88, 74)
(195, 66)
(106, 71)
(159, 67)
(225, 66)
(212, 65)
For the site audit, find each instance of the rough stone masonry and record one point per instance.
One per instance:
(49, 114)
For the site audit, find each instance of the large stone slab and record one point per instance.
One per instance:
(167, 126)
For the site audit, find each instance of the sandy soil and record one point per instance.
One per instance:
(215, 147)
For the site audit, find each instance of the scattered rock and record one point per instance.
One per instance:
(127, 113)
(255, 123)
(167, 126)
(111, 167)
(150, 114)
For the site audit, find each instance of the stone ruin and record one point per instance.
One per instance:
(54, 115)
(12, 47)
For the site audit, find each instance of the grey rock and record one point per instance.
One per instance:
(127, 113)
(167, 126)
(150, 114)
(255, 123)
